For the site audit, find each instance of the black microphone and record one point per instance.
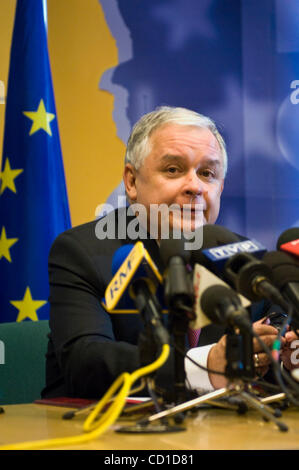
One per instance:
(234, 262)
(178, 288)
(289, 241)
(223, 307)
(253, 279)
(212, 236)
(285, 274)
(219, 245)
(179, 297)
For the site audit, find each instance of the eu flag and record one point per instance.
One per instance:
(33, 198)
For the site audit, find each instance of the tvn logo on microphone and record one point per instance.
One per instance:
(137, 262)
(220, 254)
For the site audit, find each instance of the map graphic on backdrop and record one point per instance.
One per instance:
(237, 62)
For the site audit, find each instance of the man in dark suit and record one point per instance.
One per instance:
(174, 157)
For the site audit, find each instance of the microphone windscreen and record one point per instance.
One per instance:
(288, 236)
(173, 247)
(284, 268)
(119, 257)
(213, 236)
(213, 297)
(128, 268)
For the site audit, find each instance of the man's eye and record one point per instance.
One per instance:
(172, 170)
(207, 173)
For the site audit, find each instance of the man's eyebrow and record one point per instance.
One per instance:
(170, 157)
(212, 161)
(205, 161)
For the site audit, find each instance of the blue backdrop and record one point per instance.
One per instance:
(236, 61)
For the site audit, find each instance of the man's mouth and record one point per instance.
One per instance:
(197, 209)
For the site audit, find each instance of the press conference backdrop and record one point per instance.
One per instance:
(235, 61)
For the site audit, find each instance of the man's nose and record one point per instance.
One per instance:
(194, 185)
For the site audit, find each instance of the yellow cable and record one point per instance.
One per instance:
(92, 427)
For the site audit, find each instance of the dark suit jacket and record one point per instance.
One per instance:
(88, 347)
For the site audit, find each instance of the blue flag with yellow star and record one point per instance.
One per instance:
(33, 198)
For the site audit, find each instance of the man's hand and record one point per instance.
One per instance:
(217, 360)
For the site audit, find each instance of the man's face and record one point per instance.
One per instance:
(184, 166)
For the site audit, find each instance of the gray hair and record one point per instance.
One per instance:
(138, 146)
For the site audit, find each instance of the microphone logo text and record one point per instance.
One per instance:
(225, 251)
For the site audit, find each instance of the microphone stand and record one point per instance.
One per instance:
(239, 354)
(179, 296)
(151, 338)
(178, 327)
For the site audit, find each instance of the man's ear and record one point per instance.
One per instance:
(222, 186)
(129, 178)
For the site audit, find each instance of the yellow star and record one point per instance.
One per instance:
(6, 244)
(8, 176)
(27, 307)
(41, 119)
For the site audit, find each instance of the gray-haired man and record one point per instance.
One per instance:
(174, 157)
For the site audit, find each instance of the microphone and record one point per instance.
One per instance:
(202, 280)
(130, 263)
(119, 257)
(222, 305)
(219, 244)
(207, 272)
(289, 241)
(178, 289)
(137, 277)
(237, 265)
(285, 274)
(253, 278)
(179, 297)
(212, 236)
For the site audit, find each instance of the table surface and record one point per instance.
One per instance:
(206, 429)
